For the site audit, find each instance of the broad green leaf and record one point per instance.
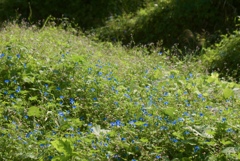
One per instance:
(212, 143)
(34, 111)
(227, 93)
(229, 150)
(157, 74)
(226, 142)
(170, 111)
(63, 146)
(33, 98)
(211, 79)
(210, 133)
(112, 133)
(97, 130)
(60, 158)
(144, 140)
(65, 126)
(178, 135)
(174, 72)
(185, 159)
(212, 158)
(76, 122)
(77, 58)
(28, 79)
(139, 123)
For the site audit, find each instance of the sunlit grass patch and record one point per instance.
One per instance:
(64, 97)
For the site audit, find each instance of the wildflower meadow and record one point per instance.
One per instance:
(64, 97)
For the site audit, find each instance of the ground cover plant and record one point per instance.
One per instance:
(65, 97)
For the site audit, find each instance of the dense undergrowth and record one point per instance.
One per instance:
(65, 97)
(186, 23)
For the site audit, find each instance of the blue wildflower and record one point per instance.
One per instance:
(224, 119)
(158, 157)
(18, 89)
(141, 119)
(42, 145)
(165, 93)
(174, 140)
(11, 95)
(174, 122)
(229, 130)
(50, 157)
(145, 125)
(7, 81)
(71, 101)
(196, 148)
(132, 122)
(61, 113)
(45, 94)
(2, 55)
(28, 134)
(185, 114)
(171, 76)
(180, 119)
(163, 128)
(113, 124)
(99, 73)
(18, 56)
(123, 139)
(118, 123)
(186, 132)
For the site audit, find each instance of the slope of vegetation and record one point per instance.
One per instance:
(185, 23)
(64, 97)
(225, 57)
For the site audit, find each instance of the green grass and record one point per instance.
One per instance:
(65, 97)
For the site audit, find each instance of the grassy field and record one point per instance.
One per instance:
(65, 97)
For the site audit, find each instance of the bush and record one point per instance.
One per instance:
(225, 57)
(187, 23)
(86, 13)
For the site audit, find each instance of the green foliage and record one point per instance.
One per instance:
(65, 97)
(186, 23)
(86, 13)
(225, 56)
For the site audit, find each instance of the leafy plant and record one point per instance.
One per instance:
(66, 97)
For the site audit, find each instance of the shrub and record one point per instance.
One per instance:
(225, 57)
(86, 13)
(187, 23)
